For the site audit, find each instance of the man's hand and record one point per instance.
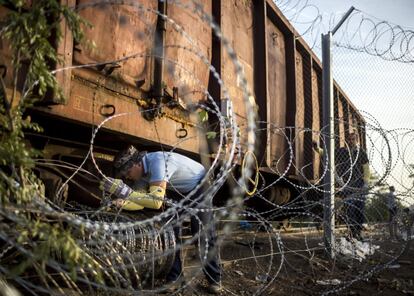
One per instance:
(115, 187)
(118, 202)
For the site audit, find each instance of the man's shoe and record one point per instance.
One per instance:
(214, 288)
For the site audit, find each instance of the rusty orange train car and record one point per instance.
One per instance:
(142, 60)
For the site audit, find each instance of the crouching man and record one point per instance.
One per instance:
(161, 171)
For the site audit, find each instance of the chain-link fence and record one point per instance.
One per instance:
(269, 221)
(373, 122)
(381, 89)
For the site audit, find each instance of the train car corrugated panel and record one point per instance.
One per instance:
(363, 135)
(341, 121)
(351, 107)
(94, 94)
(336, 115)
(65, 51)
(298, 140)
(316, 62)
(183, 68)
(358, 125)
(119, 31)
(347, 118)
(277, 150)
(237, 28)
(353, 128)
(307, 169)
(316, 118)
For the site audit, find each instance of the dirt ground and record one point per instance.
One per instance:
(295, 264)
(299, 266)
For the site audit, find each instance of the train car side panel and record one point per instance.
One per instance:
(185, 48)
(298, 140)
(238, 30)
(277, 150)
(118, 31)
(316, 120)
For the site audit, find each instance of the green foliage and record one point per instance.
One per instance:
(203, 115)
(211, 135)
(12, 191)
(376, 208)
(13, 149)
(52, 240)
(32, 34)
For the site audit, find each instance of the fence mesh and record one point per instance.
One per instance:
(270, 219)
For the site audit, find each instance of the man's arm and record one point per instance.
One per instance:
(128, 205)
(152, 199)
(132, 200)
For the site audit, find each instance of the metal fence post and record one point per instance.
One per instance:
(329, 138)
(329, 141)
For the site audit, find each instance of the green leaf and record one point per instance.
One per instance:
(211, 135)
(29, 34)
(203, 115)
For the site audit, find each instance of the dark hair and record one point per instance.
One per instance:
(392, 188)
(126, 158)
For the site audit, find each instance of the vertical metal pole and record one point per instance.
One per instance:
(159, 51)
(329, 140)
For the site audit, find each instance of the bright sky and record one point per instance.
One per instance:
(396, 11)
(374, 85)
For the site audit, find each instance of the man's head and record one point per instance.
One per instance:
(392, 188)
(128, 163)
(353, 139)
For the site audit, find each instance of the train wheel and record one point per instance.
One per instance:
(279, 195)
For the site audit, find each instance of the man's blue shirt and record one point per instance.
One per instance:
(180, 172)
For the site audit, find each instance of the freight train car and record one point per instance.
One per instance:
(154, 58)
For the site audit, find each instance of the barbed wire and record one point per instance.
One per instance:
(133, 251)
(361, 31)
